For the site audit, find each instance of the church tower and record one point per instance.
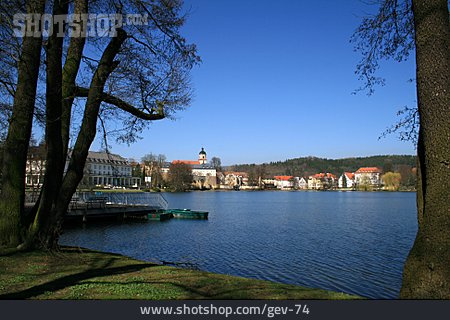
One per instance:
(202, 156)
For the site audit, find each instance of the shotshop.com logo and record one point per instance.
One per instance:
(76, 25)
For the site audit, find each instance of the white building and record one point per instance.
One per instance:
(235, 179)
(284, 182)
(108, 170)
(346, 180)
(101, 169)
(35, 167)
(302, 183)
(370, 176)
(322, 181)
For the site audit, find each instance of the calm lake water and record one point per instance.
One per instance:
(353, 242)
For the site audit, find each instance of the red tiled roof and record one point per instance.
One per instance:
(283, 178)
(323, 175)
(191, 162)
(368, 170)
(350, 175)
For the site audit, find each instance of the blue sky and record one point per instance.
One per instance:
(276, 83)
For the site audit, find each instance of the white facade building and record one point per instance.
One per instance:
(346, 180)
(108, 170)
(235, 179)
(35, 167)
(302, 183)
(368, 176)
(284, 182)
(101, 169)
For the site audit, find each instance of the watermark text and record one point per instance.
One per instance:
(76, 25)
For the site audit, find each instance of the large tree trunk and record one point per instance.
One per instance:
(427, 269)
(19, 132)
(54, 166)
(61, 86)
(70, 72)
(86, 135)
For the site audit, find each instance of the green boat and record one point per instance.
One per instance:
(159, 215)
(188, 214)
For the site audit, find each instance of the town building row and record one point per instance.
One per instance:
(369, 177)
(113, 171)
(107, 170)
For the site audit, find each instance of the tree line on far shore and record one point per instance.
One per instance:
(306, 166)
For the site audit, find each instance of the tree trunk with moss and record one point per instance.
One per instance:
(16, 146)
(427, 272)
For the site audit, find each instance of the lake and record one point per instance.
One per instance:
(353, 242)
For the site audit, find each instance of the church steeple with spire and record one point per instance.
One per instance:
(202, 156)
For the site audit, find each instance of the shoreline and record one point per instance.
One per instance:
(244, 190)
(278, 190)
(78, 273)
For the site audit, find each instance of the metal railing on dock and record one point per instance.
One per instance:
(154, 200)
(102, 199)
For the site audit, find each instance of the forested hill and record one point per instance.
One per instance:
(305, 166)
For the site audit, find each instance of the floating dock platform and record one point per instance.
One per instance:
(188, 214)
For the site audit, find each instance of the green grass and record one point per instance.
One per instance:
(74, 273)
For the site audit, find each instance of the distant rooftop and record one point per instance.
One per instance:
(283, 178)
(350, 175)
(323, 175)
(190, 162)
(368, 170)
(104, 157)
(193, 164)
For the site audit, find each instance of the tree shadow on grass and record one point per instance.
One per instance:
(190, 285)
(73, 279)
(211, 288)
(191, 292)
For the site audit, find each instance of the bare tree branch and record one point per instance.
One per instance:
(156, 113)
(143, 43)
(407, 127)
(387, 35)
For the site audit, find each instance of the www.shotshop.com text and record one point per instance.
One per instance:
(266, 310)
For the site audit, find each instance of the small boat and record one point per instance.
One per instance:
(188, 214)
(159, 215)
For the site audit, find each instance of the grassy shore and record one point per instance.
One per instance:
(74, 273)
